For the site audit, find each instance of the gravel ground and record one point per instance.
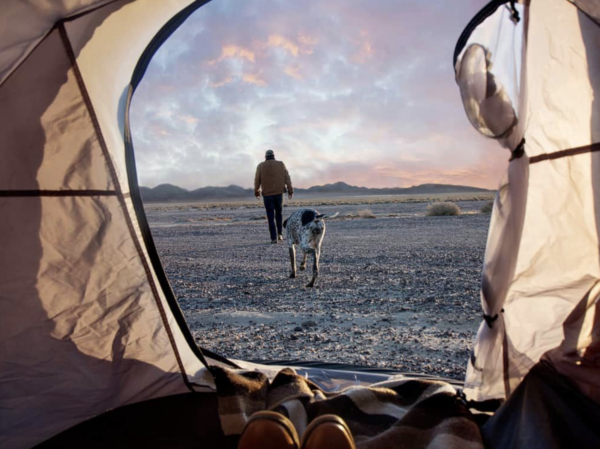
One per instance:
(399, 291)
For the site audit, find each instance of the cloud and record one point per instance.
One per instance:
(308, 42)
(365, 50)
(233, 51)
(285, 44)
(293, 71)
(222, 82)
(188, 119)
(254, 78)
(343, 90)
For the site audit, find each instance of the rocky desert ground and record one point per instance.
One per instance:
(397, 289)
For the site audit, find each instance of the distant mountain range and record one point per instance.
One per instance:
(169, 192)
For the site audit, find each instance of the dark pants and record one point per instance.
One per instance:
(274, 206)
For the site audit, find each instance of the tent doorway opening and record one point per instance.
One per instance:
(399, 285)
(94, 348)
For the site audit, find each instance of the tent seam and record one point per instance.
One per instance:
(88, 11)
(121, 198)
(25, 57)
(591, 148)
(71, 193)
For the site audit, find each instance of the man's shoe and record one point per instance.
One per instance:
(327, 431)
(280, 237)
(274, 242)
(269, 430)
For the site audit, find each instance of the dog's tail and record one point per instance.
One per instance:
(285, 222)
(327, 215)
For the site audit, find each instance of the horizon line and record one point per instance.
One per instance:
(319, 185)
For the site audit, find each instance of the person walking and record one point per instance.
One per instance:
(273, 178)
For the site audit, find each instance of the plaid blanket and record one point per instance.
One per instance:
(397, 414)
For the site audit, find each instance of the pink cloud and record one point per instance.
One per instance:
(233, 51)
(284, 43)
(293, 71)
(366, 49)
(308, 42)
(221, 83)
(188, 119)
(253, 78)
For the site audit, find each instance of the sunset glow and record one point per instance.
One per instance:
(342, 90)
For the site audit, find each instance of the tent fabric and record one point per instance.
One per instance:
(85, 326)
(121, 32)
(45, 117)
(577, 355)
(542, 259)
(546, 411)
(590, 7)
(488, 69)
(26, 22)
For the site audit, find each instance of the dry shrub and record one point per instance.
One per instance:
(365, 213)
(487, 207)
(442, 209)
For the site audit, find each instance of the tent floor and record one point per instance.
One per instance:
(182, 421)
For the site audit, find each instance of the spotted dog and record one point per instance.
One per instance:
(306, 228)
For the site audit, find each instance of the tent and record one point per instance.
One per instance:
(92, 341)
(88, 321)
(529, 78)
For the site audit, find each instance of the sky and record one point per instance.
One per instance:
(341, 90)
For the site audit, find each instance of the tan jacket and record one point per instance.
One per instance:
(273, 177)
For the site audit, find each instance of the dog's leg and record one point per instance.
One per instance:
(316, 255)
(293, 261)
(303, 264)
